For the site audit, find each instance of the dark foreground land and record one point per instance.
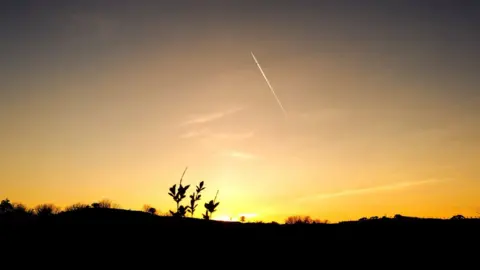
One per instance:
(134, 234)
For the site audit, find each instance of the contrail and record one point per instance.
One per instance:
(269, 85)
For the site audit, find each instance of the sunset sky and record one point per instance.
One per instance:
(113, 99)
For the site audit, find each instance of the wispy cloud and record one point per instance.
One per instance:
(194, 133)
(242, 155)
(233, 136)
(206, 133)
(323, 115)
(360, 191)
(204, 118)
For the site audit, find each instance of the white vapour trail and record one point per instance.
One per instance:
(269, 85)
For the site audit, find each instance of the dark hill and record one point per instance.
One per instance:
(94, 219)
(134, 231)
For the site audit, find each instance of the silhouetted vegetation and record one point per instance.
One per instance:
(6, 206)
(195, 197)
(211, 207)
(106, 204)
(21, 208)
(149, 209)
(304, 220)
(178, 193)
(44, 210)
(76, 207)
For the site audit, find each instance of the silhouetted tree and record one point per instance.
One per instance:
(20, 208)
(43, 210)
(319, 221)
(105, 203)
(307, 220)
(293, 220)
(242, 219)
(298, 220)
(6, 206)
(304, 220)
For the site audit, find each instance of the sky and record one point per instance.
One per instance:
(113, 99)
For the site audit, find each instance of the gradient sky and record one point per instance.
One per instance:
(112, 99)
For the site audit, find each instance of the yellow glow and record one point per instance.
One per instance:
(223, 218)
(248, 217)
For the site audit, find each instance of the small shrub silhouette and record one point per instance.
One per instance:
(195, 197)
(146, 207)
(106, 204)
(211, 207)
(458, 217)
(152, 211)
(319, 221)
(304, 220)
(182, 211)
(242, 219)
(76, 207)
(149, 209)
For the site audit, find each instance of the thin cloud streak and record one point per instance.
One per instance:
(242, 155)
(233, 136)
(194, 133)
(222, 136)
(199, 119)
(350, 192)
